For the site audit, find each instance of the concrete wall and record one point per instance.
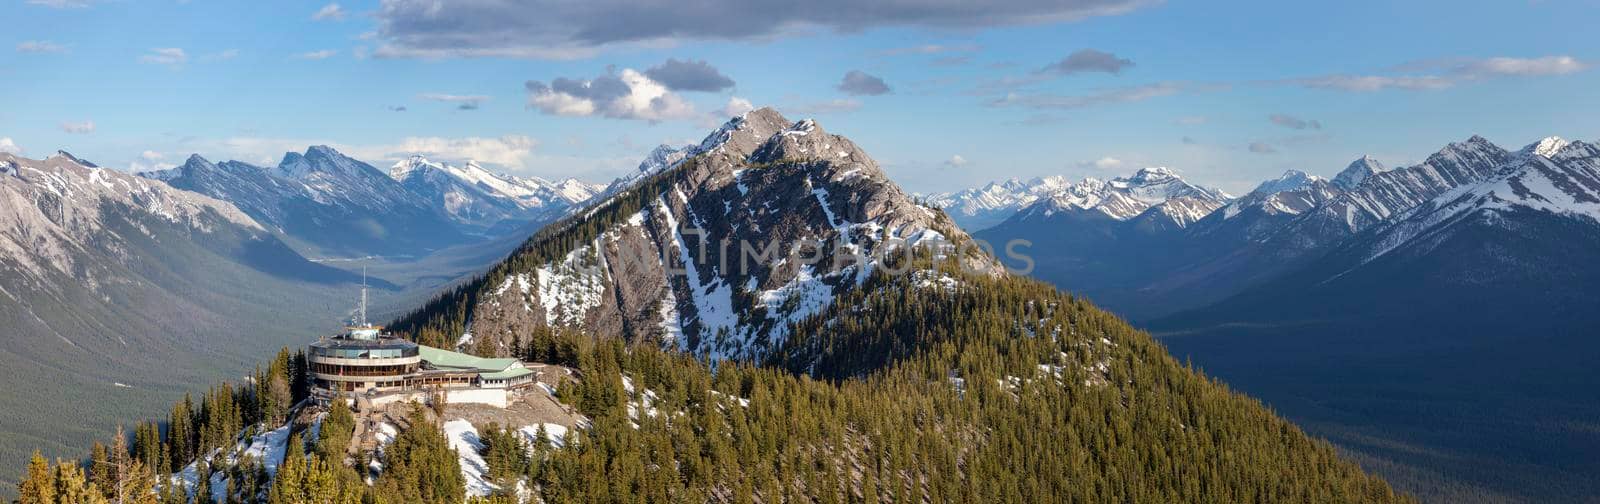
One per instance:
(498, 398)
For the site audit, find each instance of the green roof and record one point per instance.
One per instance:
(445, 359)
(507, 374)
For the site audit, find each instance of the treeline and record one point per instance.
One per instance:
(949, 404)
(193, 459)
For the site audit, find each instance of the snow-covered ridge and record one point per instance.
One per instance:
(1124, 198)
(1564, 181)
(49, 207)
(525, 192)
(1121, 198)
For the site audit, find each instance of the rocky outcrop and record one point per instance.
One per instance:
(717, 251)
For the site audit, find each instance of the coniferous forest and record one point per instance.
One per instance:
(996, 390)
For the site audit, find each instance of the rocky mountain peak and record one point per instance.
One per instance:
(758, 181)
(75, 159)
(1547, 147)
(1357, 172)
(1292, 180)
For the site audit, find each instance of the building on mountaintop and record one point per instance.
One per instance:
(384, 368)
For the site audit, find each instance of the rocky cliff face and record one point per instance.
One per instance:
(1381, 195)
(717, 251)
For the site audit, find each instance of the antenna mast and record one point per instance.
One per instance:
(363, 296)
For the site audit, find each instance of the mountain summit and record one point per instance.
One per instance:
(760, 181)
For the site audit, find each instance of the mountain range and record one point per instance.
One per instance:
(338, 205)
(1476, 258)
(118, 288)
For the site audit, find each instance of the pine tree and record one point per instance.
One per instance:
(38, 487)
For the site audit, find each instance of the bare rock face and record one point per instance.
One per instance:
(54, 211)
(760, 225)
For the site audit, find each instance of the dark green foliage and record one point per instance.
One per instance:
(333, 439)
(1117, 421)
(420, 466)
(505, 454)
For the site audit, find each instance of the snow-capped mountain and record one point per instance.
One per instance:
(737, 134)
(1510, 255)
(1547, 147)
(1383, 194)
(1123, 198)
(1561, 181)
(107, 278)
(1272, 204)
(760, 179)
(473, 195)
(983, 207)
(327, 200)
(1357, 172)
(55, 205)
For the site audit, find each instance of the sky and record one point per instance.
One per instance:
(945, 95)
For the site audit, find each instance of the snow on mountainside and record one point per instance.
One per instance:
(761, 184)
(338, 204)
(473, 195)
(1560, 181)
(992, 204)
(1547, 147)
(742, 134)
(1357, 172)
(1290, 194)
(1381, 195)
(1124, 198)
(54, 211)
(527, 193)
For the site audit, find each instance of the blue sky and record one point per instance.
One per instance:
(1227, 93)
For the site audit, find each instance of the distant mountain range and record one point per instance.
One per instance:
(119, 288)
(1478, 257)
(341, 206)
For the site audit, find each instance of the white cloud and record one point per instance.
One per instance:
(625, 95)
(562, 28)
(1374, 82)
(956, 161)
(165, 56)
(224, 55)
(508, 151)
(511, 151)
(736, 106)
(1547, 65)
(1104, 163)
(929, 49)
(329, 12)
(6, 145)
(78, 127)
(1117, 95)
(40, 47)
(150, 155)
(1445, 73)
(61, 4)
(317, 55)
(462, 102)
